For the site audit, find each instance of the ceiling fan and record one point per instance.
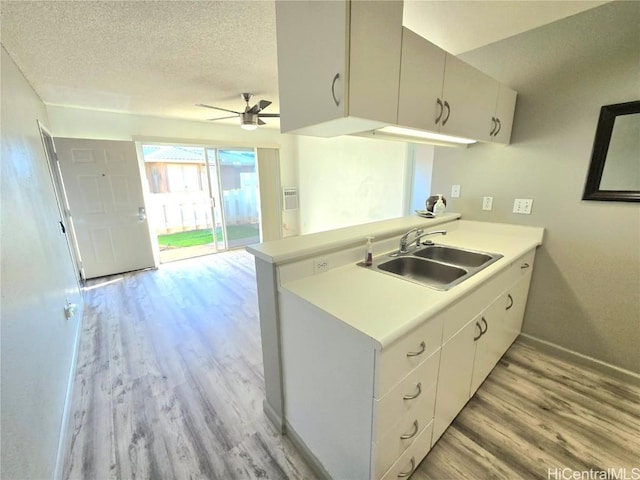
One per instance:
(251, 117)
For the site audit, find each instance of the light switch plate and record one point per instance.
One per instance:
(455, 191)
(522, 206)
(487, 203)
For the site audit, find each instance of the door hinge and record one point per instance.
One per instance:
(62, 227)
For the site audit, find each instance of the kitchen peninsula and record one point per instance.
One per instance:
(364, 371)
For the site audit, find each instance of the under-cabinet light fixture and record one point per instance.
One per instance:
(419, 134)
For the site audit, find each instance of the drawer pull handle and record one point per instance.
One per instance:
(511, 302)
(411, 397)
(423, 347)
(407, 436)
(524, 265)
(406, 474)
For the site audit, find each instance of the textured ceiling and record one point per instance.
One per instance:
(162, 57)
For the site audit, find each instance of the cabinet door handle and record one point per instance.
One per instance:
(423, 347)
(511, 302)
(499, 127)
(524, 265)
(407, 436)
(439, 102)
(476, 338)
(495, 125)
(486, 326)
(406, 474)
(333, 89)
(446, 104)
(415, 395)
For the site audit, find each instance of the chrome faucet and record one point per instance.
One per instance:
(405, 243)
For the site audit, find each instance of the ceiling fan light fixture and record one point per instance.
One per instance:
(249, 121)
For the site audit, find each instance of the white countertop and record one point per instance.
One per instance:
(384, 307)
(296, 248)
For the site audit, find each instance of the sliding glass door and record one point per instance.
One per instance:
(235, 182)
(203, 200)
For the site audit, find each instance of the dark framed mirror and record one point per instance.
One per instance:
(614, 173)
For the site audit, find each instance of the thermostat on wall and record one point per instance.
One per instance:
(289, 198)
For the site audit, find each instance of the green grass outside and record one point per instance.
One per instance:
(202, 237)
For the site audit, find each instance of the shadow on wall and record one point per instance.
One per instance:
(561, 302)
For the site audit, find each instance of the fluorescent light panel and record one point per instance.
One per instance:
(409, 132)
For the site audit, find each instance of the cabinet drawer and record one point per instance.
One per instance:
(392, 445)
(411, 457)
(396, 361)
(521, 268)
(393, 406)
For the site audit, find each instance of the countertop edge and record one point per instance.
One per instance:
(291, 249)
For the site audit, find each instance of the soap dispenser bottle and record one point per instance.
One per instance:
(438, 208)
(368, 253)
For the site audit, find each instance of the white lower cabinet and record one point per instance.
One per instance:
(468, 356)
(363, 412)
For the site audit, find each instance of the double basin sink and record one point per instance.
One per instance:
(437, 266)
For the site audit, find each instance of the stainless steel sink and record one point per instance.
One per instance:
(436, 274)
(436, 266)
(455, 256)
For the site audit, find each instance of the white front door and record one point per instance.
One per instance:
(102, 180)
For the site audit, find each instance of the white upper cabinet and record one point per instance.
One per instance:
(421, 78)
(502, 121)
(468, 98)
(441, 93)
(346, 67)
(338, 65)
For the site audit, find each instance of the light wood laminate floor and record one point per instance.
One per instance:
(169, 386)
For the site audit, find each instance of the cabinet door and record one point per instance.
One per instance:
(374, 60)
(312, 42)
(490, 346)
(505, 109)
(421, 77)
(454, 378)
(470, 98)
(516, 302)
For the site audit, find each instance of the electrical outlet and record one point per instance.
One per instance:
(487, 203)
(320, 265)
(455, 191)
(522, 206)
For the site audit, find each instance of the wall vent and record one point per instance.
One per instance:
(289, 198)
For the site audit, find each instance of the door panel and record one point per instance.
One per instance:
(105, 194)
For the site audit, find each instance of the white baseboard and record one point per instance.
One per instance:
(64, 428)
(304, 451)
(575, 357)
(273, 417)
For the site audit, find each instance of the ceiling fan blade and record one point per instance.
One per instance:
(223, 118)
(254, 109)
(260, 122)
(217, 108)
(269, 115)
(264, 104)
(258, 107)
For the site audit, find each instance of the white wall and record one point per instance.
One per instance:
(83, 123)
(349, 181)
(585, 291)
(37, 276)
(422, 173)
